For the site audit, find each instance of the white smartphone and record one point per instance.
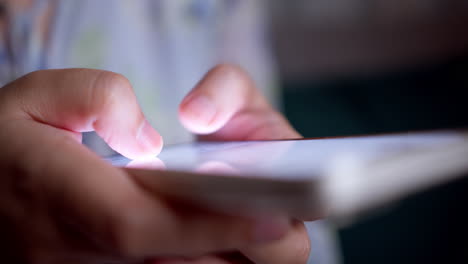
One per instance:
(307, 178)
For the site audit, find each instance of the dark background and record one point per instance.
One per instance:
(423, 98)
(379, 67)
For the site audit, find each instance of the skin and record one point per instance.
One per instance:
(60, 203)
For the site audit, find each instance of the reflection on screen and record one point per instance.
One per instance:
(292, 159)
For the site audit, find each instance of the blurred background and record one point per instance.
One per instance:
(363, 66)
(376, 66)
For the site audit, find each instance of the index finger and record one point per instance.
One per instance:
(225, 105)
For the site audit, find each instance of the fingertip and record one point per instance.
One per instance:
(222, 92)
(147, 143)
(199, 114)
(149, 140)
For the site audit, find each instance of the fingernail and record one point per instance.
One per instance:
(149, 139)
(267, 230)
(200, 109)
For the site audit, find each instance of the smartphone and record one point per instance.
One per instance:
(304, 178)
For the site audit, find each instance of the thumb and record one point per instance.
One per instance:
(82, 100)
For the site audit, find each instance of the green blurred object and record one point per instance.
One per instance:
(431, 227)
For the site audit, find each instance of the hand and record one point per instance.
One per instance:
(226, 106)
(60, 203)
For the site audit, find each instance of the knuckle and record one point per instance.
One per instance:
(234, 76)
(114, 80)
(233, 72)
(227, 68)
(29, 80)
(110, 88)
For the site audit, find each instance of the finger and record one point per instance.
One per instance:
(226, 102)
(294, 248)
(82, 100)
(216, 98)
